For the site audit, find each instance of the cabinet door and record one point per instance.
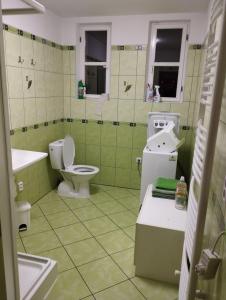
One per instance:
(27, 52)
(12, 49)
(39, 60)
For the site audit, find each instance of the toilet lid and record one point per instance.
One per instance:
(68, 151)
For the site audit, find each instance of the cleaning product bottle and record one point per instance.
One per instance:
(181, 194)
(150, 93)
(157, 97)
(80, 90)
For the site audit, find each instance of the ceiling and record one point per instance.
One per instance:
(83, 8)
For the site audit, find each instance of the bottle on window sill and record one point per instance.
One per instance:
(81, 90)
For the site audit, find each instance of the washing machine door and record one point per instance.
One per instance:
(68, 151)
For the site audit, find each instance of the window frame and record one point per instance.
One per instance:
(82, 63)
(183, 54)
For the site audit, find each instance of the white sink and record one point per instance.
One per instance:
(22, 159)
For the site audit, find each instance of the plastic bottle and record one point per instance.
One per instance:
(181, 194)
(80, 90)
(150, 94)
(157, 97)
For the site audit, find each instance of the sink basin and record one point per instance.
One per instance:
(22, 159)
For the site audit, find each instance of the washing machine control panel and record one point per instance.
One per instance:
(160, 124)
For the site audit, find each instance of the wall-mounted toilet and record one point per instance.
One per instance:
(76, 177)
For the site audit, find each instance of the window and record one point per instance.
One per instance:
(166, 59)
(94, 58)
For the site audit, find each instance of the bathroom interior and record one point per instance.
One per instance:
(99, 101)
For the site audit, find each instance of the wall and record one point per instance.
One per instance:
(111, 134)
(132, 30)
(46, 25)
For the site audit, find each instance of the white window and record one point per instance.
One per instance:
(94, 59)
(168, 48)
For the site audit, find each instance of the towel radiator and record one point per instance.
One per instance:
(206, 133)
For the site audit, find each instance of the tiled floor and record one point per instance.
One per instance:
(93, 243)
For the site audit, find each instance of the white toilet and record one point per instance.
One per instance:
(76, 177)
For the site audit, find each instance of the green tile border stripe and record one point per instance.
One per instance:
(31, 36)
(35, 126)
(128, 47)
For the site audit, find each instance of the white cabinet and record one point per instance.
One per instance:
(159, 239)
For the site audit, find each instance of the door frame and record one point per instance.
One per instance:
(8, 251)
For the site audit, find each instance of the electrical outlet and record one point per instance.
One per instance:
(20, 185)
(138, 160)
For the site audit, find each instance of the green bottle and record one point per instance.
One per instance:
(80, 90)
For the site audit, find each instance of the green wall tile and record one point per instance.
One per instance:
(78, 132)
(108, 134)
(93, 133)
(139, 136)
(122, 177)
(108, 155)
(135, 179)
(107, 175)
(125, 136)
(80, 154)
(123, 158)
(93, 155)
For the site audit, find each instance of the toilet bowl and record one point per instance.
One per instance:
(76, 177)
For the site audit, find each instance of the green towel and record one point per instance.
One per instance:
(166, 184)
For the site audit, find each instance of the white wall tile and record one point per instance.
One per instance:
(128, 63)
(126, 110)
(15, 82)
(16, 113)
(30, 115)
(41, 110)
(125, 81)
(78, 109)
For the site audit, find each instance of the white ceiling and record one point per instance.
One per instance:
(82, 8)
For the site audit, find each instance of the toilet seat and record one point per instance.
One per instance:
(82, 170)
(68, 159)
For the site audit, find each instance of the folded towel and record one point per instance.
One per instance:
(165, 184)
(166, 196)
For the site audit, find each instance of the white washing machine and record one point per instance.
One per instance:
(159, 162)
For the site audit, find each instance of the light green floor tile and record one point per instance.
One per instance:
(85, 251)
(134, 192)
(19, 246)
(60, 255)
(62, 219)
(111, 207)
(125, 260)
(96, 188)
(135, 210)
(89, 298)
(37, 225)
(69, 286)
(72, 233)
(123, 291)
(130, 202)
(124, 219)
(101, 274)
(100, 198)
(36, 211)
(155, 290)
(41, 242)
(100, 225)
(77, 203)
(118, 193)
(115, 241)
(88, 213)
(50, 197)
(53, 207)
(130, 231)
